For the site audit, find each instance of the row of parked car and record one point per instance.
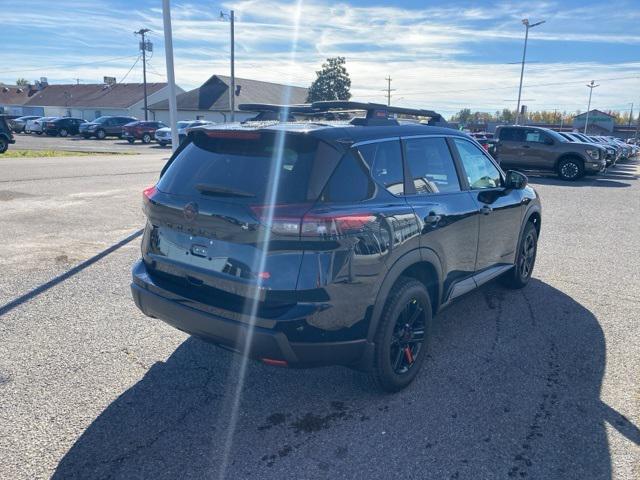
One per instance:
(569, 154)
(129, 128)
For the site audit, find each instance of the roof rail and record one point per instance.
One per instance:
(377, 113)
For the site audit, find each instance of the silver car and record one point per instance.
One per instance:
(163, 135)
(37, 125)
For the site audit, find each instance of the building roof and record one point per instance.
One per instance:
(593, 112)
(14, 95)
(214, 94)
(121, 95)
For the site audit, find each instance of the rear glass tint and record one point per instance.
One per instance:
(250, 164)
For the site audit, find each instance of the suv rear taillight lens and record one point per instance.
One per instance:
(295, 220)
(148, 192)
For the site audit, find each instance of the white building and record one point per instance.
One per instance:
(90, 101)
(210, 101)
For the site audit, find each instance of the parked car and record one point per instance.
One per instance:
(63, 126)
(6, 136)
(37, 125)
(103, 127)
(18, 124)
(609, 151)
(163, 135)
(141, 130)
(339, 249)
(536, 148)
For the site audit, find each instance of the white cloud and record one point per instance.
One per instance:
(427, 51)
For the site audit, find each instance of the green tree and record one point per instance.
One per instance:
(332, 82)
(22, 82)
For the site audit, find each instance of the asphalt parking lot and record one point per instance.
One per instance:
(540, 383)
(79, 144)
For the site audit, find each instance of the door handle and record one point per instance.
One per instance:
(486, 210)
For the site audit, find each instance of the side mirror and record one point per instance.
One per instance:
(515, 180)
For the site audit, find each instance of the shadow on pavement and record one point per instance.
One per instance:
(511, 389)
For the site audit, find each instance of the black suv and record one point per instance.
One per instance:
(315, 243)
(6, 137)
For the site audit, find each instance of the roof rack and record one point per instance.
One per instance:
(377, 113)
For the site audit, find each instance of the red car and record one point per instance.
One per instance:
(141, 130)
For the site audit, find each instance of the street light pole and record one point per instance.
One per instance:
(232, 90)
(527, 26)
(591, 86)
(171, 80)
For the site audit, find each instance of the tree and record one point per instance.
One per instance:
(22, 82)
(332, 82)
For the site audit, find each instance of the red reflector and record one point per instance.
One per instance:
(264, 275)
(275, 363)
(233, 134)
(149, 191)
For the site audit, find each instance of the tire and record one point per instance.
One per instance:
(101, 134)
(4, 145)
(146, 138)
(28, 132)
(570, 169)
(63, 132)
(520, 274)
(39, 133)
(162, 144)
(130, 140)
(393, 367)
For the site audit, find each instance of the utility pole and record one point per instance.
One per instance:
(232, 90)
(144, 47)
(630, 115)
(527, 26)
(591, 86)
(388, 79)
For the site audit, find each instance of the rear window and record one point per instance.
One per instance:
(249, 164)
(512, 135)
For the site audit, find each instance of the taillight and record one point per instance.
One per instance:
(294, 220)
(485, 146)
(148, 192)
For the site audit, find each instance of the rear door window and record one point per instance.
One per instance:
(512, 135)
(431, 166)
(385, 163)
(242, 165)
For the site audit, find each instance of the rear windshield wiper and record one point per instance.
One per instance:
(207, 189)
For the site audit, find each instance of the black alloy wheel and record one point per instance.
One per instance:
(520, 274)
(401, 339)
(408, 337)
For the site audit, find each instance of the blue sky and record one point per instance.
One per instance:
(441, 55)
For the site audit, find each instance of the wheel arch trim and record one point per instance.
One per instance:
(416, 256)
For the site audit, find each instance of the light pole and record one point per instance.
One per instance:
(171, 80)
(591, 86)
(527, 26)
(232, 90)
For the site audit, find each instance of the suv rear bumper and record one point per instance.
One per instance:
(265, 343)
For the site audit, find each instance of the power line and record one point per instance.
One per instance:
(554, 84)
(68, 65)
(132, 67)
